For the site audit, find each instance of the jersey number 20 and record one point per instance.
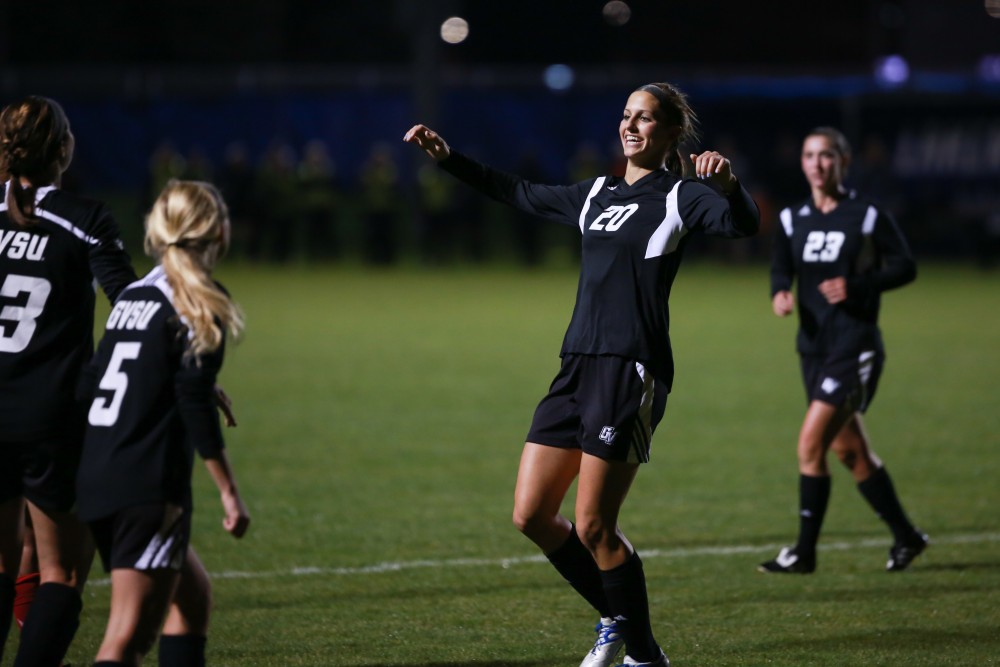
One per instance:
(823, 246)
(102, 411)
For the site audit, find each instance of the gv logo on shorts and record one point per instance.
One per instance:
(608, 435)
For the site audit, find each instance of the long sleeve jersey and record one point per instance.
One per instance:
(152, 406)
(47, 274)
(857, 241)
(633, 238)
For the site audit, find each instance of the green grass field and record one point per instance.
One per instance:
(382, 414)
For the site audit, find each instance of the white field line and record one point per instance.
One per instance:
(379, 568)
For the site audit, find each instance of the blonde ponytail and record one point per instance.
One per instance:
(188, 231)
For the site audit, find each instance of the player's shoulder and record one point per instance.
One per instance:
(798, 210)
(665, 180)
(152, 286)
(144, 308)
(71, 205)
(71, 211)
(856, 199)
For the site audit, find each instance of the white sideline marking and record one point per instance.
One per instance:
(379, 568)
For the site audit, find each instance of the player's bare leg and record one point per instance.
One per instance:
(182, 643)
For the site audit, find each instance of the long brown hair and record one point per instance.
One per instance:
(36, 145)
(187, 230)
(675, 110)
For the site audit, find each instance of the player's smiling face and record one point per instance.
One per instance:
(645, 139)
(822, 165)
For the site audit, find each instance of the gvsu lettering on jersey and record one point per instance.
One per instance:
(615, 216)
(132, 314)
(23, 245)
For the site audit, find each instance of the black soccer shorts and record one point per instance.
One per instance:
(42, 471)
(605, 405)
(143, 537)
(848, 380)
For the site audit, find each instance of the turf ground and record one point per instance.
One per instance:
(382, 414)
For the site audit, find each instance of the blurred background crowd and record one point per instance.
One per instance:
(296, 110)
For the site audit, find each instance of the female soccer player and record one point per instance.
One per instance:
(52, 247)
(153, 380)
(845, 251)
(611, 391)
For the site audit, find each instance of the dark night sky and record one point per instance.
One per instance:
(768, 34)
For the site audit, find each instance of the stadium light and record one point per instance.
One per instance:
(989, 68)
(892, 71)
(559, 77)
(617, 13)
(454, 30)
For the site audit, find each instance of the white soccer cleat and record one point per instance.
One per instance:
(607, 646)
(662, 661)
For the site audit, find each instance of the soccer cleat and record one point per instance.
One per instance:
(789, 562)
(607, 646)
(662, 661)
(902, 553)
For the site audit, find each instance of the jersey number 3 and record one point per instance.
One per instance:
(26, 316)
(823, 246)
(102, 411)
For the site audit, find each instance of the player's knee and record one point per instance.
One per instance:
(849, 458)
(525, 522)
(595, 533)
(810, 454)
(195, 614)
(192, 605)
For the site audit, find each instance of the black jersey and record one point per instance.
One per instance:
(47, 273)
(151, 408)
(858, 241)
(633, 237)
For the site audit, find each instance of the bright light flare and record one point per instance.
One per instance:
(617, 13)
(454, 30)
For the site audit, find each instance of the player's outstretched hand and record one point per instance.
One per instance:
(237, 518)
(783, 303)
(428, 140)
(715, 167)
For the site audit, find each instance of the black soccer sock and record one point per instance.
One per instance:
(51, 624)
(6, 607)
(182, 651)
(109, 663)
(814, 496)
(577, 566)
(880, 493)
(625, 587)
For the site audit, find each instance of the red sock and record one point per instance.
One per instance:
(24, 595)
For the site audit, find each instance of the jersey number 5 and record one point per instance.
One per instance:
(26, 316)
(102, 411)
(823, 246)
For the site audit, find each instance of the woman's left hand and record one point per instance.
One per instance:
(715, 167)
(834, 290)
(225, 405)
(237, 518)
